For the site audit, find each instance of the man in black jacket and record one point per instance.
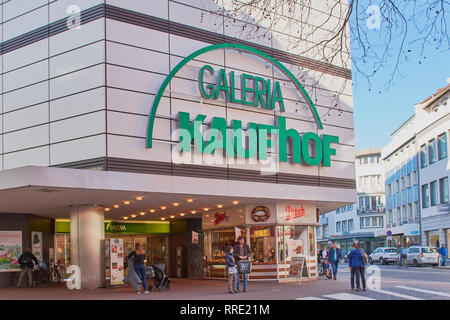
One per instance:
(26, 264)
(241, 251)
(334, 256)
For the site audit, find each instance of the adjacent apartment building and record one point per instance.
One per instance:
(414, 171)
(365, 220)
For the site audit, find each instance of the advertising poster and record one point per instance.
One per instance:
(296, 267)
(116, 260)
(194, 237)
(36, 243)
(10, 250)
(237, 233)
(295, 247)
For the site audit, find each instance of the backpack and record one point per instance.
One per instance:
(364, 257)
(25, 260)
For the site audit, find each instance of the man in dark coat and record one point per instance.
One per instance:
(355, 263)
(241, 251)
(26, 260)
(334, 256)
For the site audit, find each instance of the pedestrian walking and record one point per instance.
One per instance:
(443, 253)
(334, 256)
(355, 262)
(241, 251)
(365, 263)
(26, 260)
(138, 256)
(231, 270)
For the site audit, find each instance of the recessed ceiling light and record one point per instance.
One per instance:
(133, 216)
(220, 206)
(193, 212)
(190, 200)
(163, 219)
(176, 204)
(152, 210)
(182, 214)
(116, 206)
(139, 198)
(163, 208)
(125, 218)
(142, 213)
(107, 209)
(235, 202)
(172, 217)
(126, 202)
(205, 209)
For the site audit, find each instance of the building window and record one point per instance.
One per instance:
(416, 210)
(425, 196)
(433, 193)
(391, 217)
(432, 151)
(338, 227)
(443, 190)
(423, 156)
(442, 146)
(344, 226)
(350, 225)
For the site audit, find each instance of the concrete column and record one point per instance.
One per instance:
(87, 232)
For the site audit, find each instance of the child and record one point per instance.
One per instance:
(230, 262)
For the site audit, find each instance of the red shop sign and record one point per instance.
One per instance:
(220, 216)
(293, 212)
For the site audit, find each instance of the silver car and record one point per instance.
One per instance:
(383, 255)
(420, 255)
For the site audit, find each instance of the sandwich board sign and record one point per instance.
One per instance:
(298, 269)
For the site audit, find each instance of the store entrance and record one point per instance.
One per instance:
(156, 248)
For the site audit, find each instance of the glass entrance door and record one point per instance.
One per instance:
(158, 252)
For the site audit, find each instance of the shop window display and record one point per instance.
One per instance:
(262, 244)
(295, 241)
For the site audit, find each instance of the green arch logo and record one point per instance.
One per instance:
(233, 46)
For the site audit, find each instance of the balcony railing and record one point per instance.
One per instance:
(366, 210)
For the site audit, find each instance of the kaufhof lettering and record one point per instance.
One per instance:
(308, 148)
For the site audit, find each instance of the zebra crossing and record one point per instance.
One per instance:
(393, 293)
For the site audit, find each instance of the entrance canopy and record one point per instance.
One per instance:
(51, 192)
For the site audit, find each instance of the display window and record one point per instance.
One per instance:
(262, 244)
(217, 242)
(294, 241)
(63, 254)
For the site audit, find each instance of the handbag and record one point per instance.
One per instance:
(244, 266)
(232, 270)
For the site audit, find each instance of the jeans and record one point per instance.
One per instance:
(29, 273)
(356, 272)
(232, 281)
(334, 267)
(244, 277)
(140, 271)
(444, 260)
(363, 276)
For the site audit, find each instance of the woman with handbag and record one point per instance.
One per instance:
(231, 270)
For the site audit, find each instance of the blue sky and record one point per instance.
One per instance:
(381, 110)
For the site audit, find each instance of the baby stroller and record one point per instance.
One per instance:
(160, 280)
(324, 269)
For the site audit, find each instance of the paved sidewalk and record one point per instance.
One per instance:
(184, 289)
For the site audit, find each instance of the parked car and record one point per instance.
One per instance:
(383, 255)
(420, 255)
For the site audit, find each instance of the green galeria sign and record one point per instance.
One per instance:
(308, 148)
(114, 227)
